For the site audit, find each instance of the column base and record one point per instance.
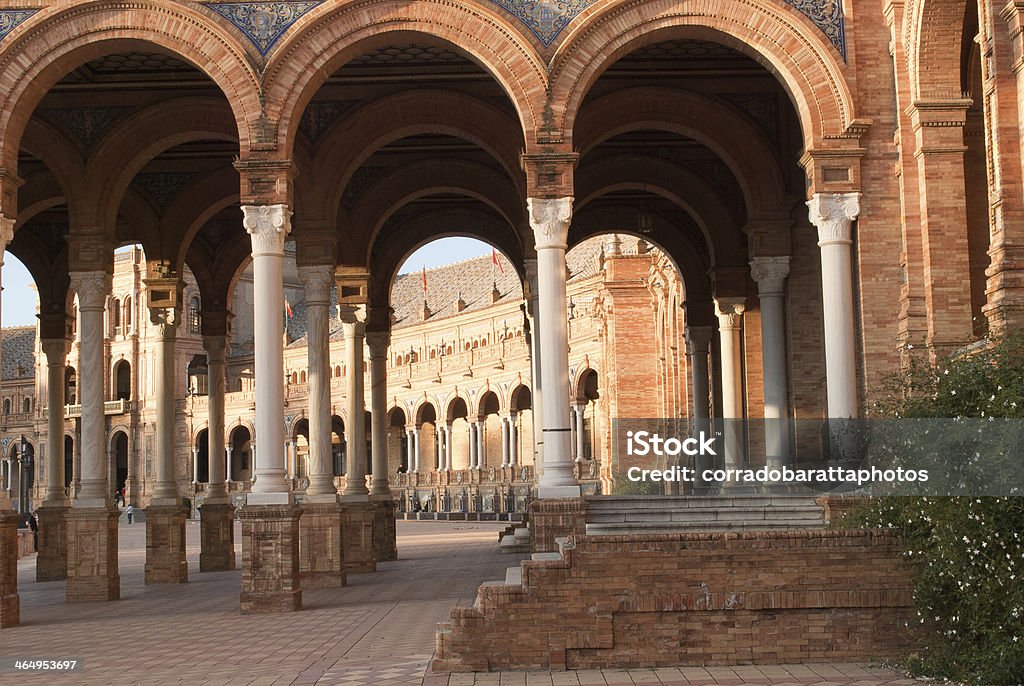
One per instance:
(357, 537)
(217, 532)
(52, 558)
(10, 602)
(321, 563)
(270, 559)
(551, 519)
(92, 555)
(385, 545)
(165, 545)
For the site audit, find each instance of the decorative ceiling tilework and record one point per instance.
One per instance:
(262, 22)
(163, 187)
(319, 116)
(544, 18)
(827, 15)
(87, 124)
(11, 19)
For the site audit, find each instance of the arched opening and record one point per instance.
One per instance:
(70, 386)
(300, 436)
(202, 457)
(521, 426)
(198, 376)
(458, 439)
(426, 422)
(398, 442)
(585, 407)
(490, 426)
(240, 455)
(338, 452)
(123, 380)
(69, 462)
(119, 458)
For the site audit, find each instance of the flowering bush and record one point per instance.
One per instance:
(968, 552)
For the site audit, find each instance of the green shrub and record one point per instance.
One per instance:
(968, 553)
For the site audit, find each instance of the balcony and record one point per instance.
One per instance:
(110, 407)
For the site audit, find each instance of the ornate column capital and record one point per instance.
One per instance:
(268, 226)
(549, 219)
(770, 273)
(215, 347)
(730, 312)
(833, 215)
(55, 349)
(92, 288)
(317, 280)
(353, 315)
(698, 339)
(377, 342)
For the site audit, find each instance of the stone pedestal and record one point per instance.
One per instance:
(552, 518)
(165, 545)
(52, 558)
(92, 554)
(217, 532)
(321, 562)
(270, 559)
(10, 604)
(385, 545)
(357, 536)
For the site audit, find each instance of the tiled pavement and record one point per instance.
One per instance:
(378, 630)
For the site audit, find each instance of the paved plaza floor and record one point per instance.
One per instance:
(377, 630)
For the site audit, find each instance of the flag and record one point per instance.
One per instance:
(495, 261)
(288, 309)
(424, 279)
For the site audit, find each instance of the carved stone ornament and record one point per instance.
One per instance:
(92, 288)
(730, 312)
(318, 280)
(833, 215)
(549, 219)
(268, 225)
(770, 273)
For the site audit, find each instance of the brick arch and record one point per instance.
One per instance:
(417, 413)
(934, 31)
(61, 156)
(683, 187)
(53, 42)
(773, 33)
(49, 271)
(413, 234)
(141, 137)
(198, 203)
(450, 408)
(326, 38)
(714, 124)
(39, 192)
(417, 180)
(398, 116)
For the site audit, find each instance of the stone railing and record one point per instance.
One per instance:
(110, 407)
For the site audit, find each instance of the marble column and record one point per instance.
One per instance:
(447, 447)
(730, 330)
(52, 560)
(698, 349)
(533, 307)
(216, 516)
(480, 456)
(270, 519)
(833, 214)
(165, 516)
(471, 437)
(381, 499)
(504, 441)
(195, 467)
(414, 449)
(513, 440)
(357, 514)
(92, 519)
(770, 274)
(549, 219)
(581, 434)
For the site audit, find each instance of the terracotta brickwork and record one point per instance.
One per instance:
(691, 599)
(270, 557)
(321, 564)
(217, 530)
(357, 537)
(92, 555)
(165, 545)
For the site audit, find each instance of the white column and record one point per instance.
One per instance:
(354, 328)
(414, 461)
(438, 447)
(56, 350)
(216, 489)
(833, 215)
(268, 226)
(549, 219)
(504, 441)
(535, 357)
(471, 435)
(377, 342)
(317, 280)
(581, 434)
(480, 457)
(92, 288)
(572, 434)
(698, 349)
(730, 322)
(770, 274)
(227, 473)
(447, 447)
(195, 466)
(165, 321)
(513, 440)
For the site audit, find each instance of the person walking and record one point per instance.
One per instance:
(129, 512)
(33, 524)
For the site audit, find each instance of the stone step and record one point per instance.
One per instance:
(672, 502)
(735, 513)
(547, 557)
(510, 544)
(514, 576)
(628, 528)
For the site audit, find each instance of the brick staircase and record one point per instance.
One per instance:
(622, 515)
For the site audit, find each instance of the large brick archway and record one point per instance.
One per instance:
(49, 45)
(776, 35)
(323, 41)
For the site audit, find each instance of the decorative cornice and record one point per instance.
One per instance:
(549, 219)
(268, 226)
(833, 215)
(263, 23)
(12, 19)
(770, 273)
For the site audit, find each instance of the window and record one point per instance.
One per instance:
(27, 405)
(195, 319)
(127, 314)
(115, 316)
(7, 405)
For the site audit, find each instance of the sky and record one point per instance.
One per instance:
(20, 300)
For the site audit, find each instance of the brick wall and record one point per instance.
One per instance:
(691, 599)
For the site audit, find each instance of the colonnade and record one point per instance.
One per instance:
(511, 446)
